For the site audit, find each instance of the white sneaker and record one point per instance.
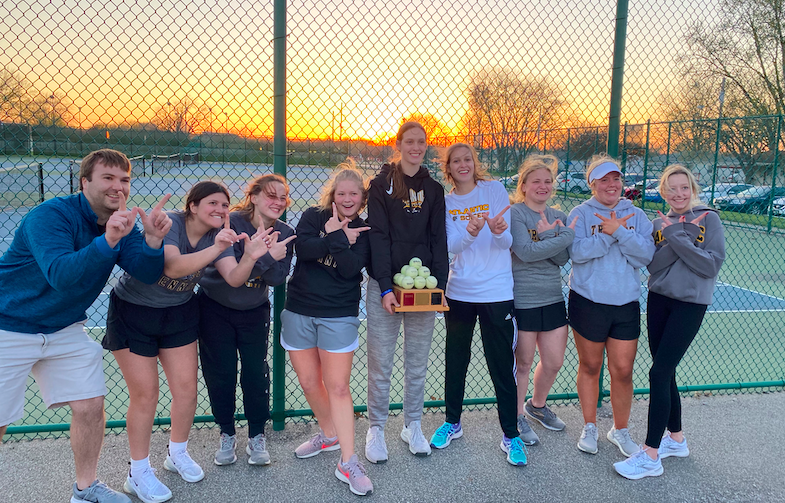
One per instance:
(621, 439)
(670, 447)
(588, 440)
(639, 465)
(183, 464)
(413, 436)
(375, 446)
(147, 487)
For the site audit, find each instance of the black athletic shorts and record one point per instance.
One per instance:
(599, 322)
(144, 330)
(542, 319)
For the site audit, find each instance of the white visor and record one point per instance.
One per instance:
(602, 170)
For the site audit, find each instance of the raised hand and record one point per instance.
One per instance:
(258, 244)
(697, 220)
(227, 237)
(119, 224)
(612, 224)
(334, 223)
(156, 224)
(543, 225)
(497, 224)
(572, 224)
(352, 233)
(475, 224)
(277, 248)
(665, 220)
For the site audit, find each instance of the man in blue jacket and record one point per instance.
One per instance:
(59, 261)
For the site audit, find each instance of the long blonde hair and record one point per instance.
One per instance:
(480, 171)
(679, 169)
(347, 170)
(532, 163)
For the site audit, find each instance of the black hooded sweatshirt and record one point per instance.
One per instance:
(403, 229)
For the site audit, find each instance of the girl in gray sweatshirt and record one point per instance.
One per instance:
(612, 242)
(690, 249)
(540, 242)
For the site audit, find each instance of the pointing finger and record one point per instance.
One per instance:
(700, 218)
(142, 214)
(362, 229)
(502, 212)
(601, 217)
(162, 202)
(122, 201)
(335, 211)
(613, 215)
(627, 217)
(290, 238)
(227, 223)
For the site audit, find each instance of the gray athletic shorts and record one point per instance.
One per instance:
(336, 335)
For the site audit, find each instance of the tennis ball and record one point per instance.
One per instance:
(397, 278)
(403, 268)
(415, 262)
(419, 282)
(411, 272)
(407, 282)
(431, 282)
(424, 272)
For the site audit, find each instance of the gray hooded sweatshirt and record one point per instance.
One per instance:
(605, 269)
(688, 256)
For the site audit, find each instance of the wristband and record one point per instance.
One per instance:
(389, 290)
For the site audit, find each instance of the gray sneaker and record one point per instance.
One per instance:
(225, 454)
(526, 433)
(98, 492)
(639, 465)
(257, 451)
(670, 447)
(544, 415)
(353, 473)
(621, 439)
(316, 444)
(588, 440)
(413, 436)
(375, 446)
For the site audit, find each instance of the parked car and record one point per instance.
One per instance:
(754, 200)
(778, 207)
(722, 190)
(574, 182)
(510, 181)
(634, 191)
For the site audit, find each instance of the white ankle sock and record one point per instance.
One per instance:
(139, 465)
(177, 447)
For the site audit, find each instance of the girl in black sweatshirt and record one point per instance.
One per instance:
(406, 216)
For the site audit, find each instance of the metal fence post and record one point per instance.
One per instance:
(617, 80)
(279, 166)
(774, 173)
(645, 165)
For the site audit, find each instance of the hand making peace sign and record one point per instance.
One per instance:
(475, 224)
(157, 224)
(497, 224)
(612, 224)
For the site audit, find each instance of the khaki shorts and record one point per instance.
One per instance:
(67, 365)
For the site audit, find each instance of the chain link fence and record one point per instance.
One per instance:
(185, 89)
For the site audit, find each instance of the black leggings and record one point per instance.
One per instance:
(498, 332)
(672, 326)
(223, 333)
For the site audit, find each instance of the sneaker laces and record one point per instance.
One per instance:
(377, 438)
(523, 425)
(227, 442)
(99, 490)
(640, 458)
(355, 468)
(624, 434)
(184, 462)
(518, 447)
(589, 429)
(257, 443)
(417, 436)
(548, 413)
(444, 431)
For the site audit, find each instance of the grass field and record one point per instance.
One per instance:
(740, 340)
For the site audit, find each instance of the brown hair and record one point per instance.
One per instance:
(202, 189)
(679, 169)
(106, 156)
(532, 163)
(347, 170)
(396, 176)
(480, 172)
(259, 184)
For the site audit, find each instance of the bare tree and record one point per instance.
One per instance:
(48, 109)
(746, 48)
(186, 116)
(14, 95)
(437, 131)
(508, 110)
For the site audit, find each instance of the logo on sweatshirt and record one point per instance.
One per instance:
(415, 202)
(328, 259)
(473, 210)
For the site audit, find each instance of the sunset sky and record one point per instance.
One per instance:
(117, 62)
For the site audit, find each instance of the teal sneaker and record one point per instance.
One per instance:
(516, 450)
(442, 437)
